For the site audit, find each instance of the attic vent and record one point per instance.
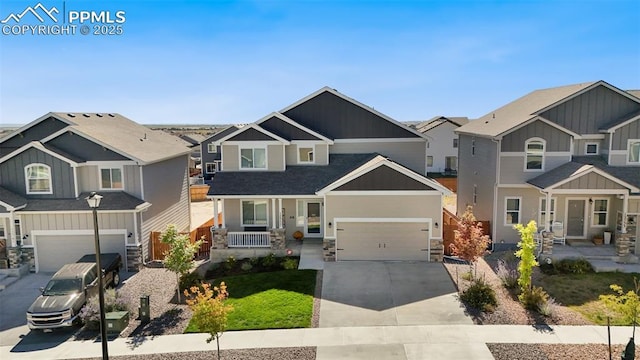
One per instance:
(111, 115)
(86, 115)
(71, 115)
(99, 115)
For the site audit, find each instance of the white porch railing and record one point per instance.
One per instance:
(248, 239)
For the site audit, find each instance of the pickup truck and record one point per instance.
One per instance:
(69, 289)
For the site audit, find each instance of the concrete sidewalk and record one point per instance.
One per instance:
(375, 342)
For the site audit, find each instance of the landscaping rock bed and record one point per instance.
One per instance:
(302, 353)
(555, 351)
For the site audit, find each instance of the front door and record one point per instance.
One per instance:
(575, 218)
(313, 223)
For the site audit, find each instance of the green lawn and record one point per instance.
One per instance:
(270, 300)
(580, 291)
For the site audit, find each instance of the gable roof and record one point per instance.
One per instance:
(117, 133)
(251, 131)
(289, 129)
(635, 93)
(439, 120)
(11, 200)
(620, 122)
(350, 119)
(222, 133)
(48, 149)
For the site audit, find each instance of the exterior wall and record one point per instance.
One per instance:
(12, 174)
(591, 181)
(512, 167)
(320, 154)
(410, 154)
(588, 112)
(35, 133)
(441, 146)
(382, 206)
(75, 221)
(275, 158)
(478, 170)
(557, 140)
(621, 135)
(88, 179)
(634, 206)
(132, 181)
(85, 149)
(579, 147)
(166, 187)
(231, 158)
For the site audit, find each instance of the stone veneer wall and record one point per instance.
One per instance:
(437, 250)
(622, 245)
(14, 255)
(134, 258)
(547, 243)
(329, 249)
(277, 237)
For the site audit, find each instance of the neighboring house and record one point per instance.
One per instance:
(193, 141)
(211, 154)
(49, 167)
(442, 156)
(570, 154)
(333, 169)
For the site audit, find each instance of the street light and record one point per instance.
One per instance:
(94, 201)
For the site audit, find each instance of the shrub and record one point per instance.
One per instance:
(533, 299)
(573, 266)
(548, 308)
(625, 304)
(290, 264)
(254, 261)
(480, 295)
(246, 266)
(467, 275)
(112, 302)
(508, 276)
(230, 263)
(189, 280)
(526, 253)
(269, 260)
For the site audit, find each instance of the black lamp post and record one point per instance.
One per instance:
(94, 201)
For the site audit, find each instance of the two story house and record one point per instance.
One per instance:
(49, 166)
(211, 154)
(569, 154)
(333, 169)
(442, 157)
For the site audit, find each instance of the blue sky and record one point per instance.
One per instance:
(218, 62)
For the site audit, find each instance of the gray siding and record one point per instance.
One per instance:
(35, 133)
(12, 174)
(629, 131)
(591, 181)
(579, 146)
(556, 139)
(88, 179)
(383, 178)
(286, 130)
(634, 206)
(75, 221)
(410, 154)
(478, 170)
(587, 113)
(88, 150)
(206, 156)
(166, 187)
(132, 181)
(336, 118)
(512, 167)
(230, 158)
(251, 134)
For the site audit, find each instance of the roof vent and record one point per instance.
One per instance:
(71, 115)
(99, 115)
(86, 115)
(111, 115)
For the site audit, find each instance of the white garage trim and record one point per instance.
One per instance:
(428, 221)
(36, 233)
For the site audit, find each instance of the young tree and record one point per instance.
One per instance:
(527, 256)
(179, 257)
(469, 242)
(209, 310)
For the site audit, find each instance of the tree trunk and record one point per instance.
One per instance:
(178, 286)
(218, 344)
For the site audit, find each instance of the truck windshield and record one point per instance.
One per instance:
(63, 287)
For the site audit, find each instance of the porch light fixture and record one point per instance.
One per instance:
(590, 201)
(94, 201)
(435, 224)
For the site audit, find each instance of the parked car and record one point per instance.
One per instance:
(69, 289)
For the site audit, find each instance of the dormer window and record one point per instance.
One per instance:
(111, 179)
(38, 179)
(253, 158)
(534, 157)
(634, 151)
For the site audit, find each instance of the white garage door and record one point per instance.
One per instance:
(53, 251)
(382, 241)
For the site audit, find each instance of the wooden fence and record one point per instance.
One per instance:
(451, 225)
(158, 248)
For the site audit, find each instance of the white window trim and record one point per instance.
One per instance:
(592, 211)
(473, 147)
(542, 209)
(100, 168)
(215, 167)
(586, 146)
(26, 180)
(544, 150)
(211, 146)
(255, 201)
(629, 141)
(303, 146)
(506, 199)
(253, 148)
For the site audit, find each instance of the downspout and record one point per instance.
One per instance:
(495, 193)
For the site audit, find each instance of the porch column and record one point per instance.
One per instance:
(224, 224)
(215, 213)
(625, 209)
(280, 219)
(273, 213)
(11, 229)
(547, 211)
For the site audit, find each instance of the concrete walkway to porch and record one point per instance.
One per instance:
(311, 255)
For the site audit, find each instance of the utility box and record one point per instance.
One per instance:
(145, 310)
(116, 321)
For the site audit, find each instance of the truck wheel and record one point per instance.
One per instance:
(115, 279)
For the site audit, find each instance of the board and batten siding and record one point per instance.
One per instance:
(590, 111)
(411, 154)
(37, 132)
(556, 140)
(478, 170)
(591, 181)
(75, 221)
(12, 174)
(89, 179)
(166, 187)
(231, 157)
(621, 135)
(85, 149)
(441, 146)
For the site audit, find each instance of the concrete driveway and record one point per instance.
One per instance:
(374, 293)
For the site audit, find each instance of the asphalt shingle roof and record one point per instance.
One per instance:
(10, 198)
(117, 200)
(295, 180)
(436, 121)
